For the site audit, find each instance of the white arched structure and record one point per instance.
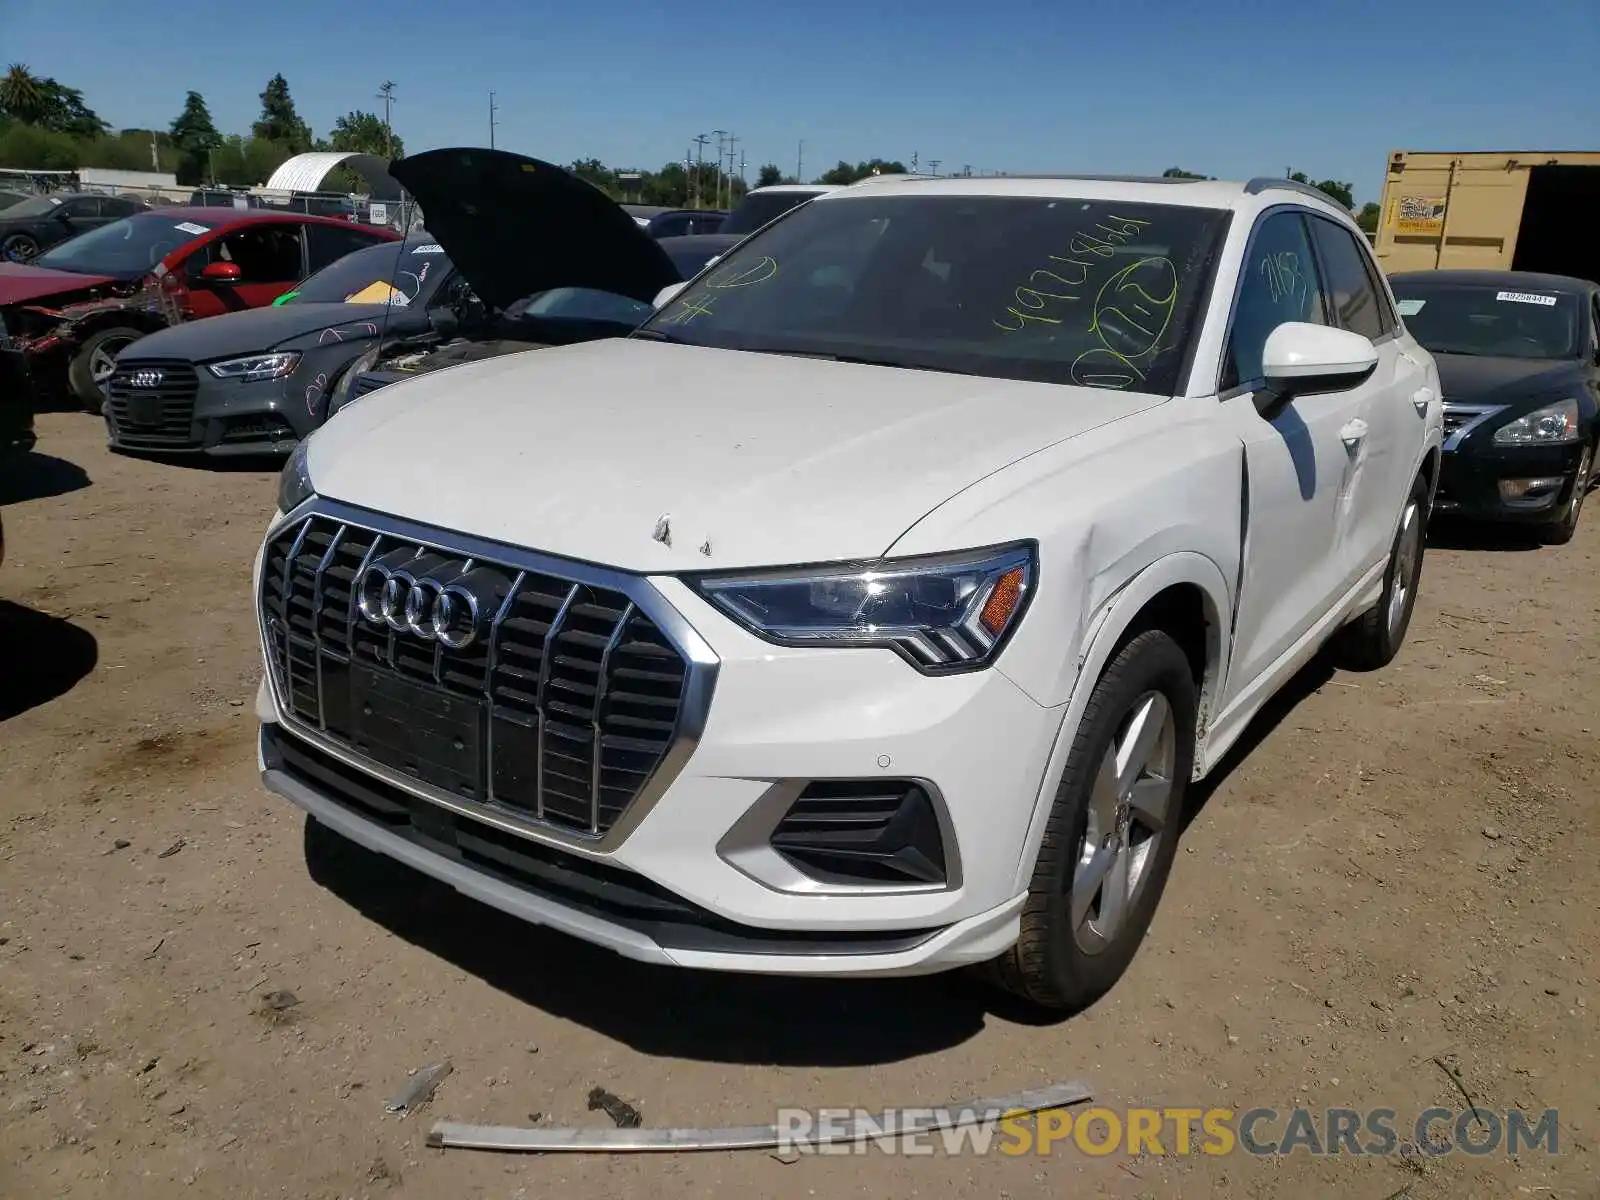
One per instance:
(305, 172)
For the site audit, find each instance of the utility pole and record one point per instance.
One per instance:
(386, 94)
(722, 154)
(700, 141)
(933, 164)
(913, 162)
(741, 168)
(733, 142)
(155, 158)
(492, 121)
(800, 163)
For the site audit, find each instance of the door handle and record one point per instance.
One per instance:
(1421, 398)
(1353, 432)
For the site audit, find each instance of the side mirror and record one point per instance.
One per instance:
(62, 215)
(221, 272)
(665, 295)
(1302, 359)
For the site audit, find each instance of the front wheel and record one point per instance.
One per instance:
(89, 372)
(1112, 830)
(1373, 639)
(1561, 532)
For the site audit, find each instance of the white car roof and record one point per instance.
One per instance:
(795, 187)
(1189, 193)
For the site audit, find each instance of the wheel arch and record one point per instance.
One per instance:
(1184, 594)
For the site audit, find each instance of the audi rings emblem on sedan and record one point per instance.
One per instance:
(146, 378)
(421, 605)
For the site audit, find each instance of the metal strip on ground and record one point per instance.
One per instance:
(452, 1134)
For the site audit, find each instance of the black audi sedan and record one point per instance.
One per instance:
(1519, 361)
(501, 227)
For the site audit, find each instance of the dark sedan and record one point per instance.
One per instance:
(255, 382)
(1519, 360)
(34, 225)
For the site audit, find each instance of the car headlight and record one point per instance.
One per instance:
(941, 614)
(294, 485)
(256, 367)
(1553, 425)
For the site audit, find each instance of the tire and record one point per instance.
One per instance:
(1560, 533)
(19, 247)
(93, 357)
(1374, 638)
(1066, 957)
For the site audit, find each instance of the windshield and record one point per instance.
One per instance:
(757, 208)
(130, 246)
(1095, 293)
(34, 206)
(581, 304)
(389, 273)
(1484, 319)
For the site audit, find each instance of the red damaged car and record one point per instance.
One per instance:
(74, 307)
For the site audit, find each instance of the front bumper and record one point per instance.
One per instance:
(683, 886)
(1470, 477)
(224, 418)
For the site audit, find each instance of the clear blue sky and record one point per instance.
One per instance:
(1226, 87)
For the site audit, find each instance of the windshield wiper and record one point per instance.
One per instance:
(657, 335)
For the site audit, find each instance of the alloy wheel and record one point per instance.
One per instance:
(1406, 551)
(1129, 811)
(103, 360)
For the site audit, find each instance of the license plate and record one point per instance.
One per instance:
(144, 410)
(418, 730)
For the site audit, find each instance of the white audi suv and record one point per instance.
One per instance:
(870, 608)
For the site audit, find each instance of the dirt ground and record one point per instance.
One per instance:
(1393, 880)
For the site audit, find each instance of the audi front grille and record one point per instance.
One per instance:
(556, 706)
(150, 404)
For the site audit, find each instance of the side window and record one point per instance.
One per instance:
(117, 206)
(329, 243)
(1278, 283)
(81, 206)
(1356, 304)
(263, 253)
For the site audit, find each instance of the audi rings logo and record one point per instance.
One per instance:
(419, 598)
(146, 379)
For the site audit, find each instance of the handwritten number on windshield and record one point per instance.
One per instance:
(1057, 283)
(1132, 311)
(693, 306)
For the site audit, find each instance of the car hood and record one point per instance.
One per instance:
(1470, 379)
(515, 226)
(19, 283)
(260, 329)
(743, 459)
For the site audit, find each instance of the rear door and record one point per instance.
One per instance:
(1387, 431)
(327, 244)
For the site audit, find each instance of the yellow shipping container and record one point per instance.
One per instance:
(1525, 210)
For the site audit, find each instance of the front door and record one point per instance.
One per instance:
(271, 260)
(1300, 465)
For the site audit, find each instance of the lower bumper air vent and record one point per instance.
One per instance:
(863, 831)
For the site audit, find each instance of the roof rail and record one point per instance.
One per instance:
(1262, 183)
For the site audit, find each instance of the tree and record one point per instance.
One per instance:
(365, 133)
(1344, 193)
(844, 173)
(195, 137)
(592, 170)
(279, 122)
(1367, 218)
(22, 95)
(770, 175)
(1180, 173)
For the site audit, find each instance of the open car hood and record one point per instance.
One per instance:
(514, 226)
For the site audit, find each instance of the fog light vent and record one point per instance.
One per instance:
(863, 831)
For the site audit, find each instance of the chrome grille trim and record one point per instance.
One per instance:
(1462, 419)
(650, 626)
